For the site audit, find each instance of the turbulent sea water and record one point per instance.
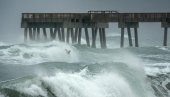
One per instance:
(46, 70)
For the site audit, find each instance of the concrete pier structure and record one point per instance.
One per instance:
(69, 27)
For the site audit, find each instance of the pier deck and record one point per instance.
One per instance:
(97, 21)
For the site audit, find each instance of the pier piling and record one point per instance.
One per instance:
(72, 35)
(38, 33)
(54, 33)
(87, 37)
(30, 34)
(104, 38)
(63, 34)
(34, 33)
(122, 38)
(51, 34)
(76, 34)
(68, 35)
(136, 37)
(101, 37)
(94, 33)
(25, 34)
(129, 37)
(59, 34)
(79, 35)
(165, 36)
(44, 33)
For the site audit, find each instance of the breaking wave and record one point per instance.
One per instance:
(35, 53)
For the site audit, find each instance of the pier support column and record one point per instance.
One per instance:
(93, 38)
(25, 34)
(94, 34)
(122, 38)
(87, 36)
(101, 37)
(104, 38)
(96, 29)
(136, 37)
(54, 33)
(79, 36)
(129, 25)
(72, 35)
(129, 37)
(165, 36)
(38, 33)
(63, 34)
(59, 34)
(76, 34)
(68, 35)
(51, 34)
(34, 33)
(45, 33)
(30, 33)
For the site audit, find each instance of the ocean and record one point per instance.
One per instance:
(45, 70)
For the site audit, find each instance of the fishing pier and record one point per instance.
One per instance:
(67, 27)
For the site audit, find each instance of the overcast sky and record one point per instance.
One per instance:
(10, 12)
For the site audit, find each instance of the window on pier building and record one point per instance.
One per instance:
(77, 20)
(30, 16)
(25, 15)
(72, 20)
(36, 15)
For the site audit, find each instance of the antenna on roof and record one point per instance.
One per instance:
(106, 11)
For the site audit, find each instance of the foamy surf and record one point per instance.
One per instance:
(84, 83)
(29, 54)
(46, 70)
